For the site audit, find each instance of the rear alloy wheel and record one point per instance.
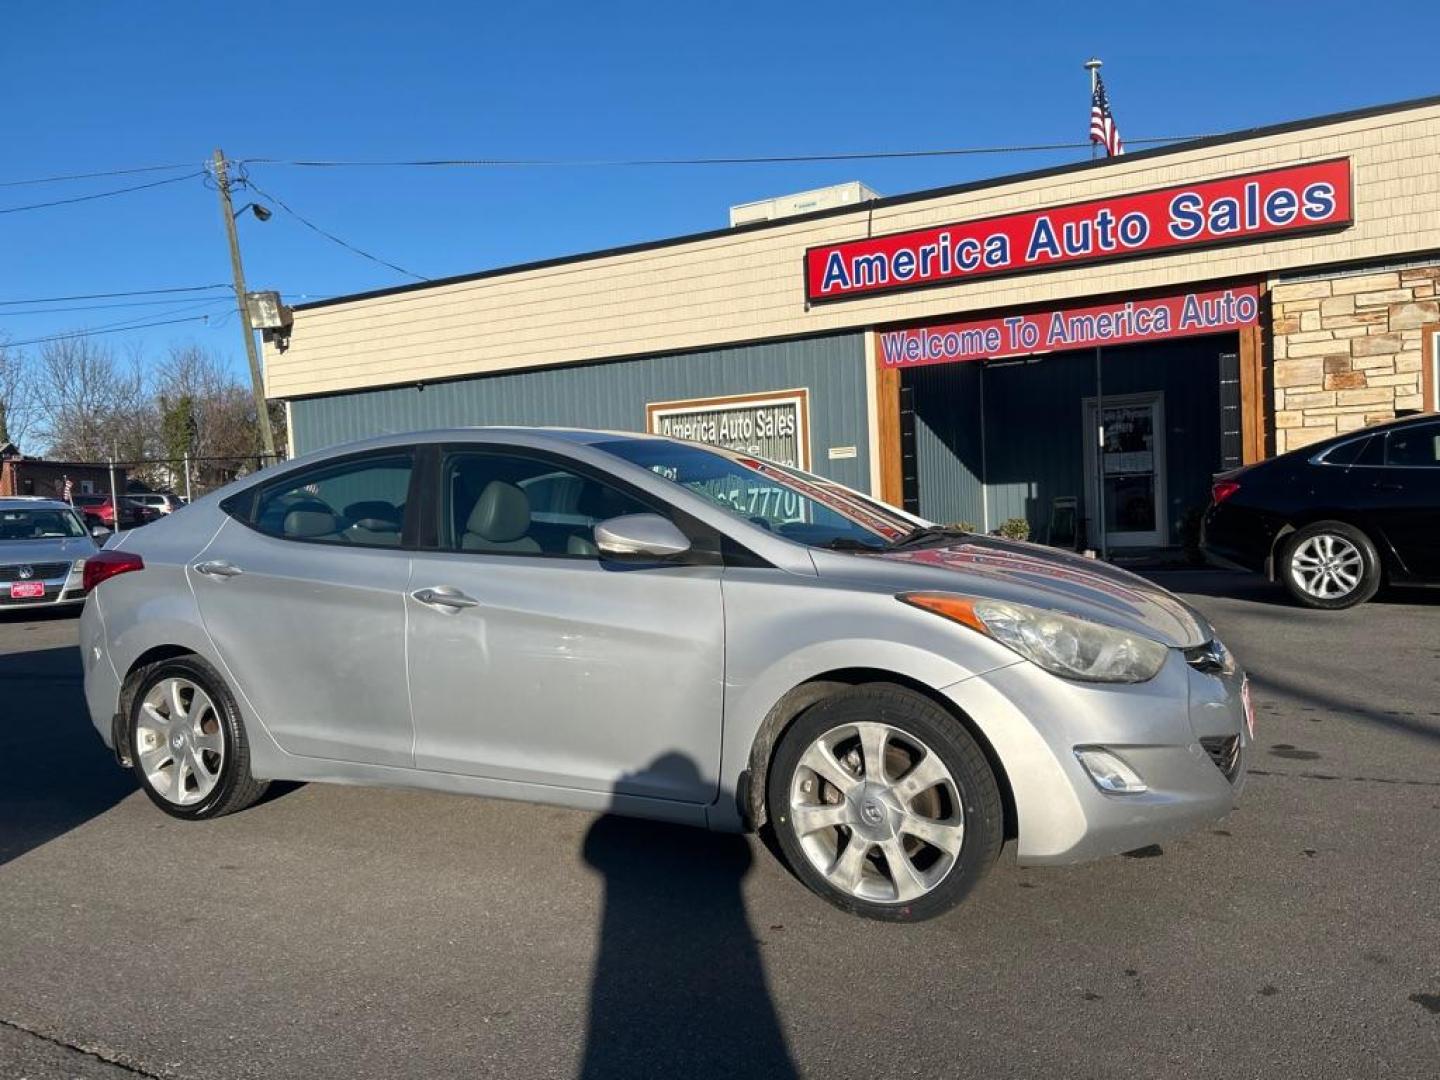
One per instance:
(884, 805)
(1330, 565)
(187, 742)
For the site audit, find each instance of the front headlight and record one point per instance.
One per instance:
(1064, 645)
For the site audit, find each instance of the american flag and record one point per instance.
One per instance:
(1102, 121)
(69, 488)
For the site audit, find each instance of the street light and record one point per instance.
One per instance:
(262, 213)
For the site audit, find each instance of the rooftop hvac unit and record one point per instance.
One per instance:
(804, 202)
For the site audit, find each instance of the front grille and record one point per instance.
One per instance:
(1224, 750)
(41, 571)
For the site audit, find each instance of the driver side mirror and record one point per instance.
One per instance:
(640, 536)
(100, 533)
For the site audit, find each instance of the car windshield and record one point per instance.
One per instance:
(40, 523)
(796, 505)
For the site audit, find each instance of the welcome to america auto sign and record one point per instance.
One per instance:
(1278, 202)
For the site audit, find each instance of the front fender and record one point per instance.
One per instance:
(776, 643)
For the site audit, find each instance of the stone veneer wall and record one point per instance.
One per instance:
(1347, 351)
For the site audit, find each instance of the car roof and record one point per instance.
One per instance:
(31, 502)
(1310, 450)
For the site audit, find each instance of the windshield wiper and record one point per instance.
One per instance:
(923, 533)
(845, 543)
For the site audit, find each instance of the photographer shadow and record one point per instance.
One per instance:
(679, 988)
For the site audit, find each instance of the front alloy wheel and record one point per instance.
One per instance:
(884, 804)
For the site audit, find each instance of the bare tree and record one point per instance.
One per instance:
(91, 406)
(205, 412)
(17, 404)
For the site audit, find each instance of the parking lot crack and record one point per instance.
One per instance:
(108, 1057)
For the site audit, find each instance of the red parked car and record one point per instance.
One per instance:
(99, 510)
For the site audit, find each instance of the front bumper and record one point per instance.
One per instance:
(1174, 731)
(66, 588)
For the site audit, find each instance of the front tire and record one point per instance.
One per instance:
(1330, 565)
(884, 805)
(188, 745)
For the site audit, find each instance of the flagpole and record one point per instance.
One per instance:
(1093, 66)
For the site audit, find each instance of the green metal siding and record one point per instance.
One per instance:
(947, 441)
(614, 395)
(1034, 445)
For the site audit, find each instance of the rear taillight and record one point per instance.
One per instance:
(1223, 489)
(106, 564)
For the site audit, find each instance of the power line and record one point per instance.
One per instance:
(108, 330)
(110, 295)
(105, 307)
(245, 180)
(101, 194)
(94, 175)
(766, 159)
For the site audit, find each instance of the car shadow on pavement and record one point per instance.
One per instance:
(679, 988)
(55, 773)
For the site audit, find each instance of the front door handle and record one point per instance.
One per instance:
(218, 568)
(444, 596)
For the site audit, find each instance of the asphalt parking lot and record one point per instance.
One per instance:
(333, 932)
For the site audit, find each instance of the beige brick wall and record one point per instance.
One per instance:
(1347, 351)
(748, 285)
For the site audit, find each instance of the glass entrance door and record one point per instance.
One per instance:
(1134, 470)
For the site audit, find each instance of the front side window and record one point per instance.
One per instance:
(39, 524)
(360, 502)
(794, 504)
(1415, 447)
(507, 504)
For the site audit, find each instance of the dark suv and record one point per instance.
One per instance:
(1334, 520)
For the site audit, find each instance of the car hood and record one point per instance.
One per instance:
(1031, 574)
(67, 549)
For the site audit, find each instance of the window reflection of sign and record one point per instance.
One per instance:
(1135, 461)
(769, 425)
(834, 499)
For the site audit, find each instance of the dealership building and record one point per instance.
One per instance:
(1082, 347)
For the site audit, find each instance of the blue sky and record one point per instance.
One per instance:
(97, 86)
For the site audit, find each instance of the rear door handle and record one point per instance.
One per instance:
(444, 596)
(1388, 485)
(218, 568)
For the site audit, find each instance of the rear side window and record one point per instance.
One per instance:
(1347, 453)
(359, 502)
(1415, 447)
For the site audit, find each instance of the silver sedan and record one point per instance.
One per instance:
(44, 546)
(667, 630)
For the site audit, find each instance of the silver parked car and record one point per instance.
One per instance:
(663, 629)
(44, 546)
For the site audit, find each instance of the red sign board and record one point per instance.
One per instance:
(1278, 202)
(1119, 323)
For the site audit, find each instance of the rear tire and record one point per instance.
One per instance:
(883, 804)
(1330, 565)
(188, 745)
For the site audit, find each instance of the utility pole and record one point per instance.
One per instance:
(227, 211)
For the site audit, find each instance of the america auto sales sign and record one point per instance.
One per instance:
(1253, 206)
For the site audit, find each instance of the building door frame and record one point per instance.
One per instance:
(1159, 536)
